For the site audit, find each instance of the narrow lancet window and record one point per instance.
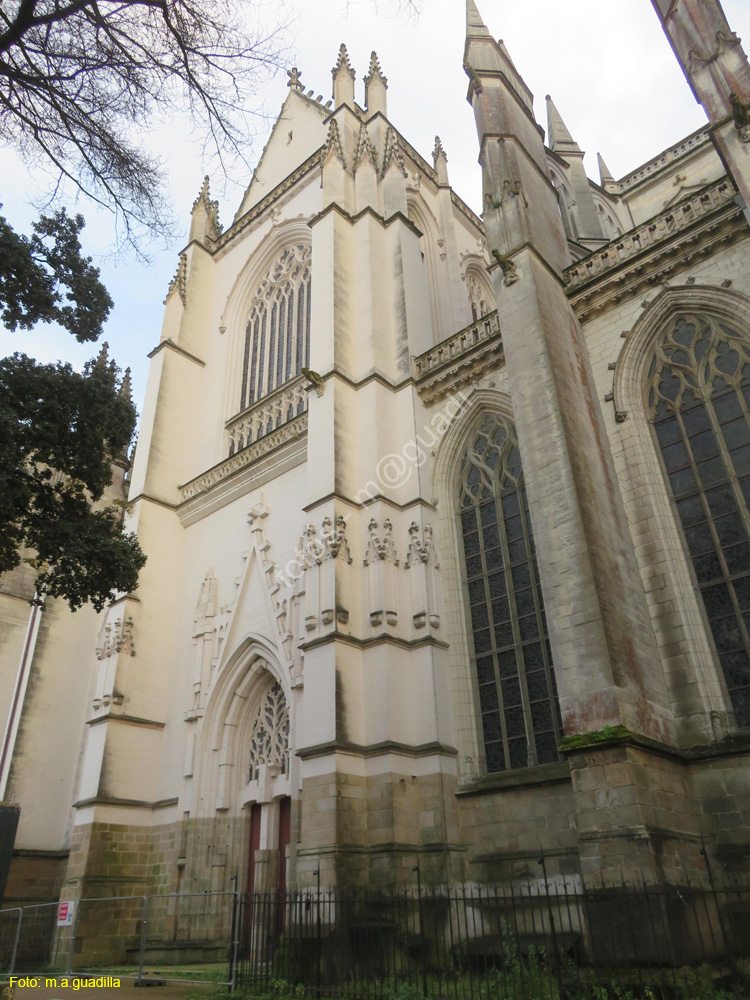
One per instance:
(278, 329)
(698, 395)
(511, 654)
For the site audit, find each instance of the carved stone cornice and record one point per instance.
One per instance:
(210, 480)
(459, 359)
(650, 254)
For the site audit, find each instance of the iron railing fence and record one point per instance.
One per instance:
(552, 939)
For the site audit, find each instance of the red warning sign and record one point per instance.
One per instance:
(65, 912)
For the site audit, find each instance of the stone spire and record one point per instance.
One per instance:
(475, 26)
(126, 388)
(605, 175)
(102, 358)
(559, 138)
(343, 80)
(582, 208)
(376, 85)
(483, 53)
(441, 161)
(204, 222)
(606, 179)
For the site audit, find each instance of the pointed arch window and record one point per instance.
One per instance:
(480, 300)
(511, 655)
(277, 339)
(698, 396)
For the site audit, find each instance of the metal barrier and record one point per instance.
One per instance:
(179, 937)
(30, 939)
(175, 937)
(10, 931)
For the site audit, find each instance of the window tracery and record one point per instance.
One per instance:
(277, 339)
(478, 297)
(511, 655)
(269, 737)
(698, 396)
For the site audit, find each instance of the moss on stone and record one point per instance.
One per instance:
(594, 737)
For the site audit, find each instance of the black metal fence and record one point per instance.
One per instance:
(547, 940)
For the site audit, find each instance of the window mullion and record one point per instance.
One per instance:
(491, 620)
(511, 606)
(535, 590)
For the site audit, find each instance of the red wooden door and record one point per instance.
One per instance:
(285, 831)
(254, 845)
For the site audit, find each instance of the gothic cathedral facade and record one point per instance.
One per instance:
(447, 521)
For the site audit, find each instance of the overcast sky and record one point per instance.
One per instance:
(606, 64)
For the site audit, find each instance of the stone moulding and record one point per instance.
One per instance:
(650, 254)
(287, 432)
(267, 200)
(647, 170)
(459, 359)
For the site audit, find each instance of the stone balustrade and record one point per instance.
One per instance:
(664, 159)
(650, 234)
(456, 346)
(270, 412)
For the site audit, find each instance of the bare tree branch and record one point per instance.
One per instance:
(80, 81)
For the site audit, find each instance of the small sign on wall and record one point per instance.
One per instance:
(65, 913)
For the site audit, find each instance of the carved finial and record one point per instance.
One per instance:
(102, 358)
(212, 226)
(375, 70)
(365, 148)
(126, 388)
(392, 152)
(294, 81)
(202, 194)
(180, 279)
(333, 143)
(342, 63)
(441, 161)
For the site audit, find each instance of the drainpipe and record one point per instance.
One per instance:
(19, 692)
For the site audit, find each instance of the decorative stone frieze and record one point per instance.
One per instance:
(287, 432)
(645, 172)
(459, 360)
(117, 638)
(652, 253)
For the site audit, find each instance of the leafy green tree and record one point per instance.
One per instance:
(44, 278)
(58, 431)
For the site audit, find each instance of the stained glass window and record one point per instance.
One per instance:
(698, 393)
(511, 654)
